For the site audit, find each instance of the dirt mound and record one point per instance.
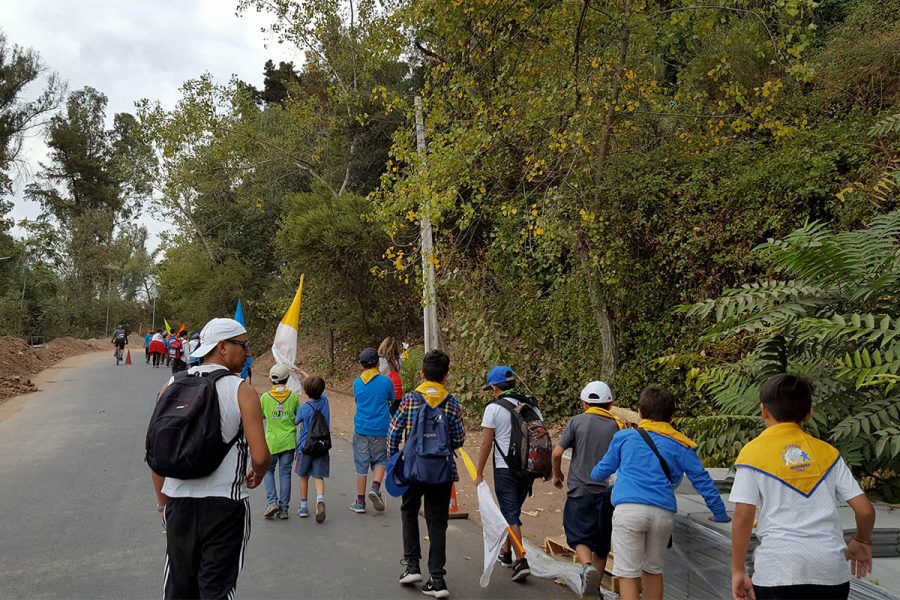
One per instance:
(19, 362)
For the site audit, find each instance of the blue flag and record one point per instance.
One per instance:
(239, 313)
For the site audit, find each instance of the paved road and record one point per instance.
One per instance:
(78, 518)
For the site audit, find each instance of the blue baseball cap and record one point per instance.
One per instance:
(498, 375)
(394, 483)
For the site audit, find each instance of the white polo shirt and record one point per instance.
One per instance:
(801, 539)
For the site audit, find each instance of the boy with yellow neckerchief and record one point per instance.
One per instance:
(279, 406)
(649, 462)
(796, 481)
(373, 394)
(429, 408)
(587, 516)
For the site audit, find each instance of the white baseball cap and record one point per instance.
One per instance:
(217, 330)
(597, 392)
(279, 372)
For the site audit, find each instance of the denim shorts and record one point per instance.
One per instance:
(369, 451)
(511, 492)
(587, 521)
(313, 466)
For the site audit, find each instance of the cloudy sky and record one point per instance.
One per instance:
(132, 49)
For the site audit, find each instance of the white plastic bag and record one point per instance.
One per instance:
(494, 530)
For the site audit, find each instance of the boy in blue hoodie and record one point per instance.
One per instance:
(373, 394)
(650, 462)
(317, 467)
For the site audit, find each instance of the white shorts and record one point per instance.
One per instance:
(640, 534)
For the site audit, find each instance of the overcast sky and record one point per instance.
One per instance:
(132, 49)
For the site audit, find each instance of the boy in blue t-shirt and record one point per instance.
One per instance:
(147, 339)
(644, 493)
(317, 467)
(373, 394)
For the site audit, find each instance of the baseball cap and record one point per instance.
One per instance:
(498, 375)
(279, 372)
(394, 483)
(217, 330)
(369, 356)
(597, 392)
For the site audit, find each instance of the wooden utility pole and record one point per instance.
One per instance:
(429, 298)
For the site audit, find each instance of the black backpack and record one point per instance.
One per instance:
(184, 439)
(318, 438)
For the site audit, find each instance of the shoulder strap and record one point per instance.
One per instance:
(662, 461)
(218, 374)
(513, 413)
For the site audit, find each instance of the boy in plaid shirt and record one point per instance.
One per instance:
(435, 367)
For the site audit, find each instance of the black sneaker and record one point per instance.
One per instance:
(412, 574)
(521, 571)
(505, 559)
(436, 587)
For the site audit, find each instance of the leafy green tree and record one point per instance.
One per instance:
(19, 67)
(829, 313)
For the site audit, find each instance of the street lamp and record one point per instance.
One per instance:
(109, 268)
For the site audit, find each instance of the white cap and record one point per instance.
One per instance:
(217, 330)
(597, 392)
(279, 372)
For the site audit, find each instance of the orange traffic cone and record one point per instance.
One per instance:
(128, 357)
(453, 511)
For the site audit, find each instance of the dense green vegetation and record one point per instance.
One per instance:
(590, 167)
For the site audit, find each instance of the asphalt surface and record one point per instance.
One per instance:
(78, 517)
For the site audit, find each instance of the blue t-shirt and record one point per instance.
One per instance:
(641, 480)
(147, 339)
(305, 415)
(373, 405)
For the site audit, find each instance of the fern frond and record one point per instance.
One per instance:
(753, 297)
(869, 329)
(886, 126)
(871, 368)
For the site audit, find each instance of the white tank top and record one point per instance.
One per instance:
(228, 480)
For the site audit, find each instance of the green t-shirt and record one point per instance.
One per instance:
(281, 433)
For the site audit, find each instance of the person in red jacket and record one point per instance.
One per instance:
(389, 361)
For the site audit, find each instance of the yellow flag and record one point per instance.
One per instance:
(168, 329)
(284, 347)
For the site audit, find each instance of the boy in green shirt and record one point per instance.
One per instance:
(279, 406)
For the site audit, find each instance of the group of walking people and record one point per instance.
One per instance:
(173, 350)
(620, 482)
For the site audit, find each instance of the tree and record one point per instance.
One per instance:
(829, 313)
(18, 68)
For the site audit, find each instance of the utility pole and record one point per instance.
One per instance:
(429, 298)
(108, 292)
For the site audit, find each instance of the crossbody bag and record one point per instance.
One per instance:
(662, 463)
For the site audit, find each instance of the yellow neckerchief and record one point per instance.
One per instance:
(787, 453)
(368, 374)
(667, 430)
(280, 393)
(596, 410)
(434, 392)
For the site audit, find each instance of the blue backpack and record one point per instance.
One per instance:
(427, 457)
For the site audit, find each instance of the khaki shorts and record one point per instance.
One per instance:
(640, 534)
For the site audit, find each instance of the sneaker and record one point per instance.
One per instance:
(521, 571)
(358, 508)
(412, 574)
(303, 511)
(283, 515)
(320, 511)
(435, 587)
(377, 500)
(505, 559)
(271, 511)
(589, 578)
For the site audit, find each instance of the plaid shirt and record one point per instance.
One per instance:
(406, 415)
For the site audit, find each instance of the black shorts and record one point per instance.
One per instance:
(803, 592)
(120, 344)
(587, 521)
(205, 543)
(511, 492)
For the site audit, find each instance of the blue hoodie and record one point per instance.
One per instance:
(640, 478)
